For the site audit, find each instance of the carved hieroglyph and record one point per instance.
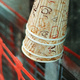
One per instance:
(48, 18)
(46, 30)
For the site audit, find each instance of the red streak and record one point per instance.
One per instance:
(1, 77)
(51, 1)
(71, 52)
(18, 67)
(13, 11)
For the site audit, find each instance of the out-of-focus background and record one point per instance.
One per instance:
(13, 18)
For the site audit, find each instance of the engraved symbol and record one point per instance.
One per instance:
(63, 2)
(65, 16)
(44, 33)
(45, 16)
(54, 32)
(64, 30)
(55, 19)
(34, 29)
(35, 7)
(51, 49)
(46, 10)
(51, 1)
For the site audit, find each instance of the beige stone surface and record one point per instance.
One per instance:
(48, 18)
(42, 50)
(38, 59)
